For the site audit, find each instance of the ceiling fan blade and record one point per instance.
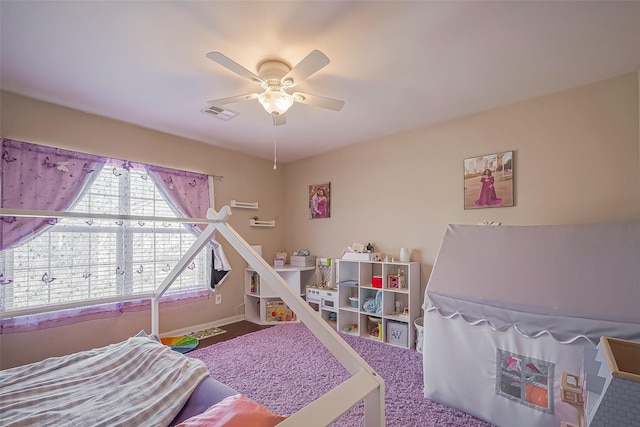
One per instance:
(234, 66)
(318, 101)
(232, 99)
(309, 65)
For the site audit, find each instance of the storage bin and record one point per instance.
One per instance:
(397, 333)
(376, 282)
(302, 261)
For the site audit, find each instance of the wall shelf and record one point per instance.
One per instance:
(260, 223)
(244, 205)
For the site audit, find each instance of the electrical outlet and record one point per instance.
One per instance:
(218, 299)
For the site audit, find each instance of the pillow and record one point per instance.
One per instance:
(142, 333)
(235, 411)
(536, 395)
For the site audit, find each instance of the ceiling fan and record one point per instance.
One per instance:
(277, 79)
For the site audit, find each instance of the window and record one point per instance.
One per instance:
(81, 259)
(525, 380)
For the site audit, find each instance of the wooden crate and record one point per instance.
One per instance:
(623, 357)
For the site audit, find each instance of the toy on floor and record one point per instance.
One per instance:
(350, 328)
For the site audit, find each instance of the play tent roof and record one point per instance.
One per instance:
(564, 280)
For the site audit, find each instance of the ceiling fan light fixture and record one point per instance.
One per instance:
(275, 101)
(276, 77)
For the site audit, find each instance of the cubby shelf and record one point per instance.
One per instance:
(258, 297)
(399, 283)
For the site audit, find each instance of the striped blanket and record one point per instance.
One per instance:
(138, 382)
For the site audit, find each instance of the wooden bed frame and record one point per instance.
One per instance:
(364, 385)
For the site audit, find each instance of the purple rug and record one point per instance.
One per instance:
(285, 368)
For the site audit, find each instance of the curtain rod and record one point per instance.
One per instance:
(222, 216)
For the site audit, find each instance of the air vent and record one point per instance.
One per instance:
(218, 112)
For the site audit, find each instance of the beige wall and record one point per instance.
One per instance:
(245, 178)
(576, 157)
(577, 160)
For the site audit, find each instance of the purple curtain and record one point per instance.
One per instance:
(186, 192)
(46, 178)
(40, 178)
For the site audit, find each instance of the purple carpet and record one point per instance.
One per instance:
(285, 368)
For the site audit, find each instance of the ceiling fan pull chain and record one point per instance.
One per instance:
(275, 141)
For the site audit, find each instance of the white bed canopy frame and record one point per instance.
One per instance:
(364, 385)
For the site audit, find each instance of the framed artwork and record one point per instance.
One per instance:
(488, 181)
(320, 200)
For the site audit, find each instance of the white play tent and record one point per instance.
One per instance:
(509, 308)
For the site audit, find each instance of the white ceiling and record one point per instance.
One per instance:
(397, 65)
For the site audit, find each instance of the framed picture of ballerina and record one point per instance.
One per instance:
(320, 200)
(488, 181)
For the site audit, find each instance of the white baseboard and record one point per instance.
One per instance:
(195, 328)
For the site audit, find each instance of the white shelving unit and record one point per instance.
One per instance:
(260, 300)
(399, 290)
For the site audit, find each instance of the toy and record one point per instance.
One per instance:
(350, 328)
(375, 332)
(280, 259)
(277, 311)
(375, 327)
(398, 305)
(255, 283)
(357, 248)
(396, 281)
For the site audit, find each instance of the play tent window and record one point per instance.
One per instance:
(525, 380)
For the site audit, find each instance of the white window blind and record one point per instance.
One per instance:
(78, 259)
